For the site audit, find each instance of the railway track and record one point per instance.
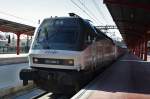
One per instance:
(47, 95)
(40, 95)
(27, 94)
(36, 93)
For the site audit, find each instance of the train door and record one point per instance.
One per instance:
(87, 52)
(99, 53)
(107, 52)
(94, 52)
(103, 52)
(104, 43)
(90, 43)
(94, 49)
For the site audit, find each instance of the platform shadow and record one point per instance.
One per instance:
(129, 74)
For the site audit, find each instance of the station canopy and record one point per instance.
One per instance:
(17, 28)
(132, 17)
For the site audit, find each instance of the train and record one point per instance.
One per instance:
(66, 53)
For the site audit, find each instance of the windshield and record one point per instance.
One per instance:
(57, 34)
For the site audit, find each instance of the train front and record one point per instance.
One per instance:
(54, 55)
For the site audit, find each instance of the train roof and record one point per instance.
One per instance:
(102, 34)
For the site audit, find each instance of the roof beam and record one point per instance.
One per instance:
(145, 6)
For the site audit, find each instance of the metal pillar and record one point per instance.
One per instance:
(142, 50)
(145, 49)
(139, 49)
(134, 50)
(18, 44)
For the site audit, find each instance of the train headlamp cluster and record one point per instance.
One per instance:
(69, 62)
(35, 60)
(51, 61)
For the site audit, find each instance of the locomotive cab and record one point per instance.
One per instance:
(57, 44)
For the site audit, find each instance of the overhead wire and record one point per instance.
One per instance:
(99, 10)
(103, 16)
(89, 11)
(83, 10)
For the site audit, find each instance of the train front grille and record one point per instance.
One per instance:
(53, 61)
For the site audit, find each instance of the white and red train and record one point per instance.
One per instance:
(66, 53)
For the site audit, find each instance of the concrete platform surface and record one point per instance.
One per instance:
(127, 78)
(9, 74)
(12, 55)
(6, 59)
(9, 79)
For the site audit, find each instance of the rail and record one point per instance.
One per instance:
(40, 95)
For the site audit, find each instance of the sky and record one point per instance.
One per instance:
(30, 11)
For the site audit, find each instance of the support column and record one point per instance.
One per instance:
(18, 44)
(145, 49)
(142, 49)
(136, 51)
(132, 50)
(139, 49)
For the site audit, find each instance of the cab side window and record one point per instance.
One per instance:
(89, 33)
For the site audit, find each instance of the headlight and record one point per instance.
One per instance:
(69, 62)
(35, 60)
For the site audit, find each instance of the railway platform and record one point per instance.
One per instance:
(12, 55)
(6, 59)
(10, 66)
(127, 78)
